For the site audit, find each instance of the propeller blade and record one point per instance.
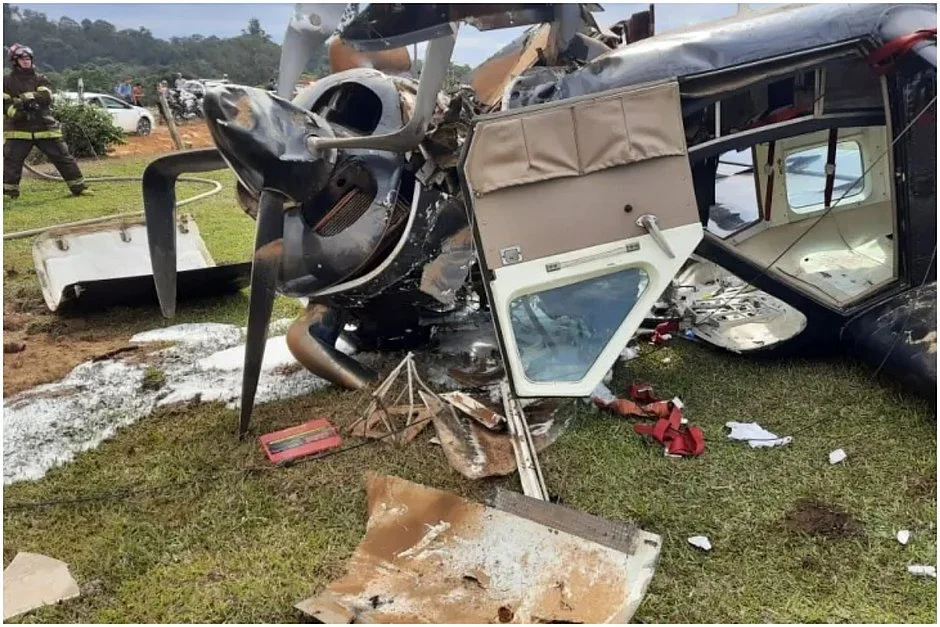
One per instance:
(264, 272)
(159, 185)
(309, 28)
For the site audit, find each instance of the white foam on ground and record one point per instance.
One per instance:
(47, 425)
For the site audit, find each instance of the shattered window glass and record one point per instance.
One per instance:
(560, 332)
(806, 176)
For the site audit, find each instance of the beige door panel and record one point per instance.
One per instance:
(579, 173)
(568, 214)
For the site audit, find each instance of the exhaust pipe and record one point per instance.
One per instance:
(311, 339)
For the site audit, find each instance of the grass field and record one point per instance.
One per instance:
(215, 543)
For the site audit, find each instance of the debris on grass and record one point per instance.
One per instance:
(921, 570)
(475, 409)
(904, 536)
(33, 580)
(429, 556)
(815, 518)
(386, 408)
(837, 456)
(755, 435)
(678, 438)
(701, 542)
(311, 438)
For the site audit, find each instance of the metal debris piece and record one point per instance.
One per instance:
(477, 452)
(379, 414)
(476, 379)
(33, 580)
(474, 408)
(429, 556)
(527, 461)
(837, 456)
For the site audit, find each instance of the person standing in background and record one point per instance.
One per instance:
(137, 95)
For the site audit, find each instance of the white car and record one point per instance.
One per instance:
(127, 117)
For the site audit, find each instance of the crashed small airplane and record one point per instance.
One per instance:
(770, 178)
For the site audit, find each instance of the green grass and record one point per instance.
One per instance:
(243, 547)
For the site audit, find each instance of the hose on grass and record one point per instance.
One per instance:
(216, 188)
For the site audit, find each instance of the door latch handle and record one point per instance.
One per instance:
(648, 221)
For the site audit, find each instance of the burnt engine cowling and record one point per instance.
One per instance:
(358, 234)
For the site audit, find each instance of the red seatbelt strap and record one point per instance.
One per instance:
(769, 171)
(882, 59)
(831, 166)
(668, 430)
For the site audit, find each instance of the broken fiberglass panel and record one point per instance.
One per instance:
(560, 332)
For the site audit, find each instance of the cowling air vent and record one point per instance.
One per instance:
(347, 196)
(349, 208)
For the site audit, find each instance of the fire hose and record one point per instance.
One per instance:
(217, 187)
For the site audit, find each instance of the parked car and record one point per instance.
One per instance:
(127, 117)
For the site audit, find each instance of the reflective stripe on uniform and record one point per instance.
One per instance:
(7, 96)
(75, 182)
(29, 135)
(43, 88)
(11, 111)
(11, 186)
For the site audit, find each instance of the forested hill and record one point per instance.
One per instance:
(102, 55)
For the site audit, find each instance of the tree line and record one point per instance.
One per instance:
(102, 55)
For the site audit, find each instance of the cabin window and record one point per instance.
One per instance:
(806, 176)
(735, 205)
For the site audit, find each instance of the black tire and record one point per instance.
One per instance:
(144, 127)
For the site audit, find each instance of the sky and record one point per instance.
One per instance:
(167, 20)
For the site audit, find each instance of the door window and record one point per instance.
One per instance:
(560, 332)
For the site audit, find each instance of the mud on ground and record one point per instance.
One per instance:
(46, 347)
(815, 518)
(195, 134)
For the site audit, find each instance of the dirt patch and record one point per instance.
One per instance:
(194, 135)
(51, 347)
(924, 486)
(815, 518)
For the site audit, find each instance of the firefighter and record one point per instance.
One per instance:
(28, 122)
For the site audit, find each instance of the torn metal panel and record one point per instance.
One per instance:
(432, 557)
(729, 313)
(109, 263)
(33, 580)
(477, 452)
(447, 272)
